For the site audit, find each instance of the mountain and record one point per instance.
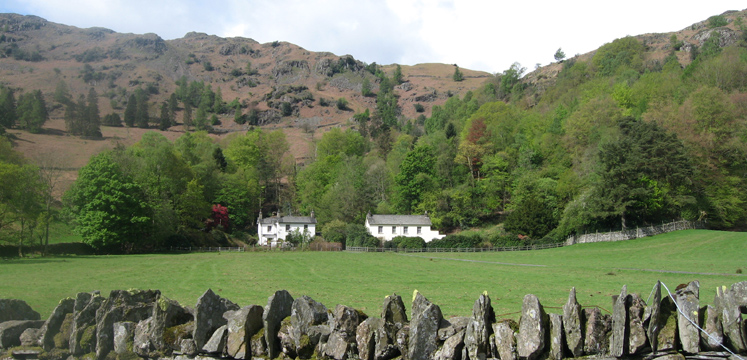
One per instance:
(643, 130)
(36, 54)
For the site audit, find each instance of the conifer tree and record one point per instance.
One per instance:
(130, 111)
(8, 113)
(165, 119)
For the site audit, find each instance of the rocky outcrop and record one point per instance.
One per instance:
(713, 337)
(731, 303)
(687, 299)
(597, 332)
(423, 335)
(309, 323)
(394, 315)
(619, 340)
(651, 316)
(13, 309)
(82, 338)
(52, 326)
(124, 332)
(344, 326)
(217, 343)
(504, 339)
(133, 305)
(557, 343)
(572, 325)
(637, 340)
(10, 331)
(209, 316)
(278, 307)
(532, 338)
(479, 329)
(241, 326)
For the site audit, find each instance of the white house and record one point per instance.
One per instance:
(387, 227)
(274, 229)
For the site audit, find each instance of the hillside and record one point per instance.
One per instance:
(643, 130)
(38, 54)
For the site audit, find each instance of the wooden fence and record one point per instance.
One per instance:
(451, 250)
(206, 249)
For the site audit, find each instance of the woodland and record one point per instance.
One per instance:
(617, 140)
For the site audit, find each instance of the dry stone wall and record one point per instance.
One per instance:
(145, 324)
(636, 233)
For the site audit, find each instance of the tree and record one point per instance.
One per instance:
(218, 105)
(559, 55)
(32, 111)
(164, 121)
(142, 119)
(108, 206)
(531, 217)
(334, 231)
(366, 87)
(645, 177)
(191, 207)
(130, 112)
(8, 115)
(50, 165)
(458, 76)
(414, 178)
(397, 77)
(342, 104)
(62, 93)
(187, 116)
(92, 118)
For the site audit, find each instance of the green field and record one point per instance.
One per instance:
(362, 280)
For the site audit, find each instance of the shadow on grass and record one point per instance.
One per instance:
(47, 259)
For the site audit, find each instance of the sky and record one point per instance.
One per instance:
(474, 34)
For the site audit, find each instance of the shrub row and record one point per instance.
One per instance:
(76, 248)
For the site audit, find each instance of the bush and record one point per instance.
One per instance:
(457, 241)
(419, 108)
(286, 108)
(717, 21)
(406, 242)
(357, 235)
(342, 103)
(506, 240)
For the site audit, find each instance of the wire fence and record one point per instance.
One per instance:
(206, 249)
(571, 240)
(453, 250)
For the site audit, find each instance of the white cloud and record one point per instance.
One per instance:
(476, 34)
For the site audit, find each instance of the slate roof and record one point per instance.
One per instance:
(421, 220)
(288, 220)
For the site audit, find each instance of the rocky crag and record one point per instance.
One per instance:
(145, 324)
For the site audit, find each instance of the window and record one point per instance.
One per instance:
(381, 229)
(269, 228)
(404, 230)
(305, 227)
(394, 229)
(287, 228)
(419, 230)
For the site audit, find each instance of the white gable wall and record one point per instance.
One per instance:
(390, 231)
(273, 233)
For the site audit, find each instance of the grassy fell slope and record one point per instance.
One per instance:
(128, 61)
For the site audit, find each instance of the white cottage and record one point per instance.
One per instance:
(274, 229)
(387, 227)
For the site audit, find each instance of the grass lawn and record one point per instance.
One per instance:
(451, 280)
